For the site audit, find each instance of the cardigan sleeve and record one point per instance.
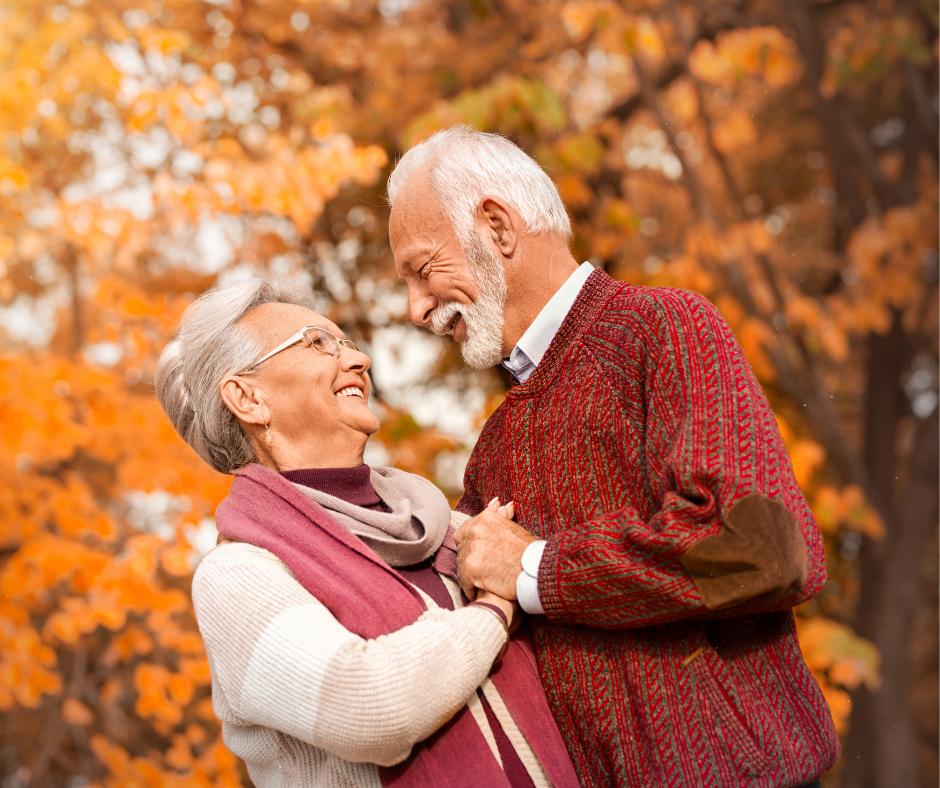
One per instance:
(282, 661)
(732, 533)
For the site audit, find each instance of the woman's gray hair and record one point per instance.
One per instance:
(208, 345)
(469, 165)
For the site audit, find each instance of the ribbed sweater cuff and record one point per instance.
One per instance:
(549, 586)
(487, 633)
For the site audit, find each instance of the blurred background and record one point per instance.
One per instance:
(780, 158)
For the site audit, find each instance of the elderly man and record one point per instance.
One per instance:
(662, 539)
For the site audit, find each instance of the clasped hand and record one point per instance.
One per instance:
(489, 552)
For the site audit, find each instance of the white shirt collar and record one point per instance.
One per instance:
(532, 346)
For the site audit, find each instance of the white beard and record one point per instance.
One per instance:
(483, 346)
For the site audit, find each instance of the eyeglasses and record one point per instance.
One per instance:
(319, 338)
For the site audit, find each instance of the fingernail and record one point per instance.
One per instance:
(495, 500)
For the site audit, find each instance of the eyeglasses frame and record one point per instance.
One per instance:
(302, 334)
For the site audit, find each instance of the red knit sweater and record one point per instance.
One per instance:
(640, 429)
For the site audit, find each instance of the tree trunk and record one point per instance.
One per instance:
(850, 210)
(896, 762)
(924, 683)
(881, 751)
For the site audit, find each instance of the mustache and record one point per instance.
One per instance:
(443, 316)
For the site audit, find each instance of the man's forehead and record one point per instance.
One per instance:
(417, 212)
(415, 245)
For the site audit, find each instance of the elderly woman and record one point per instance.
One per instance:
(342, 651)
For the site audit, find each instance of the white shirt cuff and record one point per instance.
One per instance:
(527, 584)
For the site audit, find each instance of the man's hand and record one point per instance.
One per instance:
(489, 551)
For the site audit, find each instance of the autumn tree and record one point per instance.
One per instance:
(779, 158)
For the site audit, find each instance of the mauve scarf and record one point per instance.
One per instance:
(370, 598)
(410, 532)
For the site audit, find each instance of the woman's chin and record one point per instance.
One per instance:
(366, 424)
(359, 417)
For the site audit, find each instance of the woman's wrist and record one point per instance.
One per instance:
(503, 605)
(497, 610)
(497, 614)
(508, 612)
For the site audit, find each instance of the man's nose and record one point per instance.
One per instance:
(420, 305)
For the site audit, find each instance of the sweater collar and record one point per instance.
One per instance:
(353, 485)
(532, 345)
(595, 293)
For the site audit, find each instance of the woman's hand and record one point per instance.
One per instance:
(510, 608)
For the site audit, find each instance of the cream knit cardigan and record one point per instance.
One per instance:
(305, 702)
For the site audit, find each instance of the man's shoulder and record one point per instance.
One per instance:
(650, 316)
(652, 303)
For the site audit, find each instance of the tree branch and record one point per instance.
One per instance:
(648, 92)
(864, 154)
(920, 102)
(56, 726)
(717, 155)
(664, 79)
(851, 209)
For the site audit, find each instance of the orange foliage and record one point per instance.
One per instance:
(840, 661)
(734, 132)
(761, 52)
(254, 138)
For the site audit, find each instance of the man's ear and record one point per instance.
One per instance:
(243, 397)
(500, 224)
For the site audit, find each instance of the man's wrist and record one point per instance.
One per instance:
(527, 583)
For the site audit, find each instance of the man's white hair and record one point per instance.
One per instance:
(469, 165)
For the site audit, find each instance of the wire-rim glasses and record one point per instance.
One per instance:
(320, 340)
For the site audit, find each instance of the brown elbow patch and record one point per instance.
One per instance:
(759, 552)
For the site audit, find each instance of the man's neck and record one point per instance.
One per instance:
(542, 269)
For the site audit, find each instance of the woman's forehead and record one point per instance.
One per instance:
(278, 321)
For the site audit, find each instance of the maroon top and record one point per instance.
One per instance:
(355, 486)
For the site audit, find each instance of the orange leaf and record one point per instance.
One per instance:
(734, 132)
(76, 713)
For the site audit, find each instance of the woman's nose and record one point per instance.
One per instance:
(354, 360)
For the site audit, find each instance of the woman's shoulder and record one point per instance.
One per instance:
(229, 553)
(238, 551)
(237, 584)
(236, 562)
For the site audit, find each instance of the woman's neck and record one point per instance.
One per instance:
(289, 458)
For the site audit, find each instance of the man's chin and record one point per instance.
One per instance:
(474, 358)
(477, 365)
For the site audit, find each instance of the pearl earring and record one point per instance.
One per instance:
(267, 432)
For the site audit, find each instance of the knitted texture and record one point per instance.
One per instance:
(305, 702)
(375, 605)
(640, 429)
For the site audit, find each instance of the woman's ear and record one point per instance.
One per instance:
(243, 397)
(500, 224)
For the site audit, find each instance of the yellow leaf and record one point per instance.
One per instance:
(806, 456)
(828, 509)
(648, 40)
